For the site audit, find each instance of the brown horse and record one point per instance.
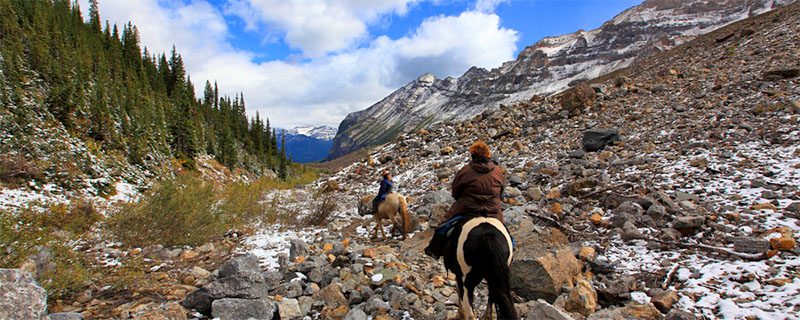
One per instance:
(393, 204)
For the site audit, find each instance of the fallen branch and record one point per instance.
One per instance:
(670, 276)
(550, 222)
(613, 188)
(742, 255)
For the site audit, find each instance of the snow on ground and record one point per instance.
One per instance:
(708, 284)
(268, 243)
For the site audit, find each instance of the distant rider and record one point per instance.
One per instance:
(476, 188)
(386, 188)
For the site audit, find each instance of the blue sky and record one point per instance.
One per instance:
(314, 61)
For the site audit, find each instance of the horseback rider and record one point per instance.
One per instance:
(476, 188)
(386, 188)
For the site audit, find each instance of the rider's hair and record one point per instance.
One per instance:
(480, 149)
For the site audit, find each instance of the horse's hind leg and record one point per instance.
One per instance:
(466, 297)
(380, 227)
(489, 314)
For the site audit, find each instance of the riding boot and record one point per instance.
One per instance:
(375, 205)
(435, 249)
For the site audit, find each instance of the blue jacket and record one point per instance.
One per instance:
(386, 188)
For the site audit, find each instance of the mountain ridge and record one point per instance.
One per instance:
(546, 67)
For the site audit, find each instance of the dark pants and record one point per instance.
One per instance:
(376, 203)
(438, 243)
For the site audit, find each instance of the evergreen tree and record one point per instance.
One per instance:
(101, 85)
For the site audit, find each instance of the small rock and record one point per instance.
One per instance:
(582, 298)
(356, 314)
(596, 219)
(297, 248)
(794, 207)
(688, 222)
(577, 154)
(663, 299)
(587, 254)
(596, 139)
(199, 273)
(231, 309)
(188, 255)
(331, 295)
(540, 309)
(289, 309)
(65, 316)
(785, 242)
(750, 245)
(763, 206)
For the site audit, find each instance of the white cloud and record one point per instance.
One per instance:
(487, 6)
(317, 27)
(324, 89)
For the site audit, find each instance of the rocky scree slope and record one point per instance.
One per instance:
(689, 209)
(548, 66)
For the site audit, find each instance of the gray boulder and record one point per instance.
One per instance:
(540, 309)
(232, 309)
(750, 245)
(356, 314)
(596, 139)
(540, 274)
(65, 316)
(438, 197)
(242, 286)
(688, 222)
(297, 248)
(289, 309)
(20, 296)
(241, 264)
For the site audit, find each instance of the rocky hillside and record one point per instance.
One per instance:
(670, 191)
(548, 66)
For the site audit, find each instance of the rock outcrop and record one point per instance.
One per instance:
(20, 296)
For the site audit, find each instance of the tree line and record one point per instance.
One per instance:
(104, 87)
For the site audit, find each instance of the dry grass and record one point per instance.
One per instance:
(189, 210)
(326, 205)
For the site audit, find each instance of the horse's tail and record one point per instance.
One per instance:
(404, 213)
(498, 273)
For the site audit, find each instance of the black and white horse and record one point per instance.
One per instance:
(480, 248)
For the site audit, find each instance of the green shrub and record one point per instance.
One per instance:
(175, 212)
(68, 273)
(241, 203)
(24, 233)
(20, 234)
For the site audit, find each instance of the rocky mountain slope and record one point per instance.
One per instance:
(548, 66)
(689, 209)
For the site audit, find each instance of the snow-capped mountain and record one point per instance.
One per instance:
(319, 132)
(309, 143)
(548, 66)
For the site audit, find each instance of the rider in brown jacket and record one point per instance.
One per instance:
(476, 188)
(478, 185)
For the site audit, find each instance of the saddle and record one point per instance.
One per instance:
(443, 232)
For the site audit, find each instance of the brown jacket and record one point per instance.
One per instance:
(477, 188)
